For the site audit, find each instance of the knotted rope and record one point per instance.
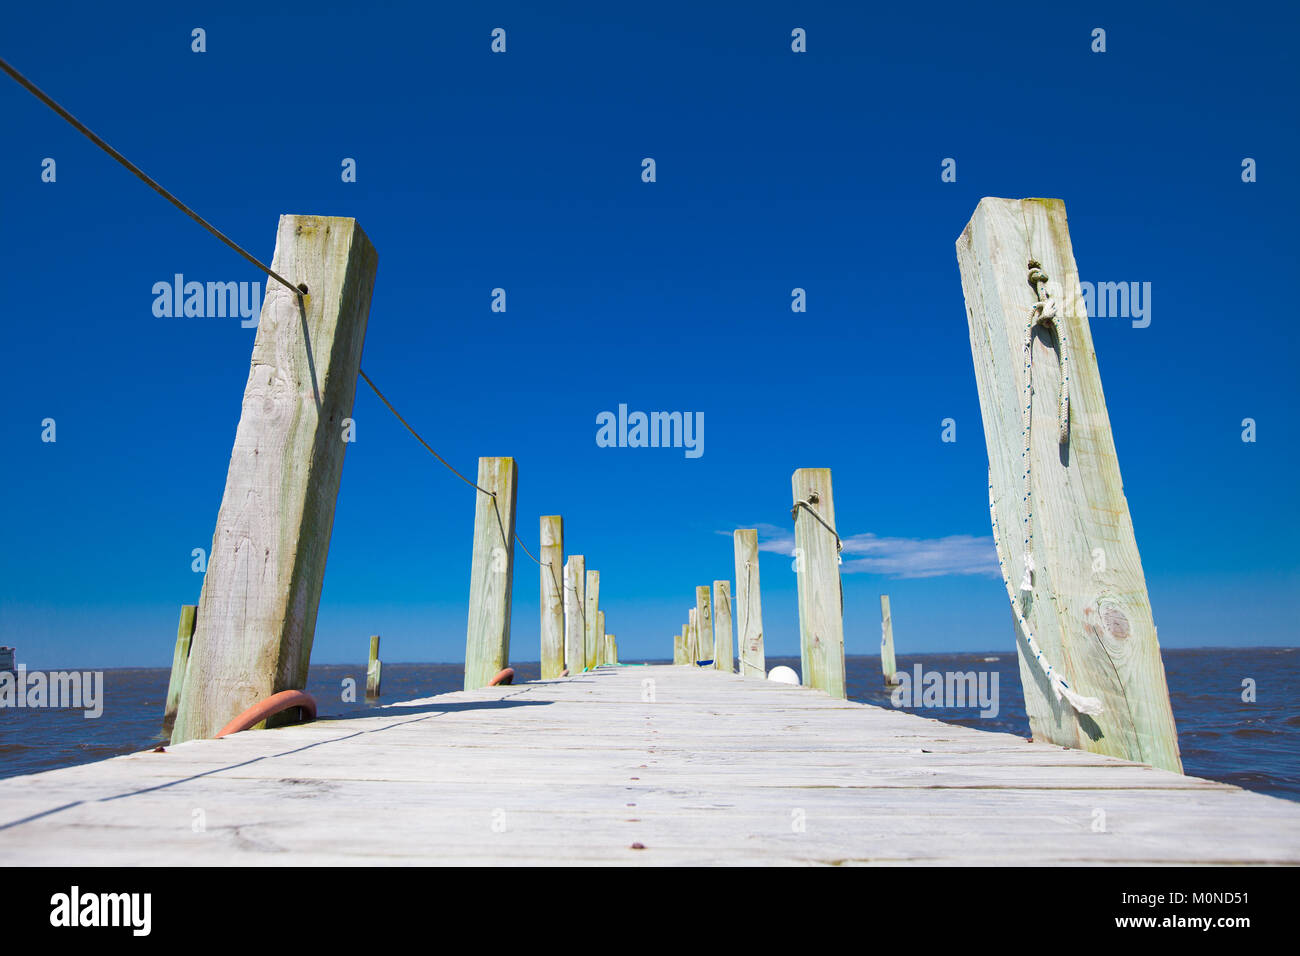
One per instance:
(1044, 313)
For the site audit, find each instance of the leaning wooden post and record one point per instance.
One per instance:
(600, 639)
(1089, 658)
(575, 629)
(552, 595)
(722, 653)
(257, 612)
(703, 623)
(887, 665)
(180, 658)
(487, 638)
(375, 669)
(692, 638)
(592, 635)
(749, 607)
(817, 570)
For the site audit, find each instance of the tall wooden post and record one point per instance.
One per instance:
(722, 649)
(817, 570)
(257, 612)
(703, 623)
(592, 635)
(375, 668)
(600, 640)
(552, 595)
(887, 665)
(749, 606)
(487, 638)
(575, 614)
(180, 658)
(692, 638)
(679, 647)
(1062, 525)
(611, 649)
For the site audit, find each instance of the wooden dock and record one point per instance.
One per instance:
(633, 765)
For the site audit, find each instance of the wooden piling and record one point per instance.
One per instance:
(722, 646)
(600, 640)
(679, 647)
(1069, 557)
(749, 607)
(692, 638)
(261, 591)
(817, 571)
(887, 664)
(180, 658)
(487, 637)
(375, 669)
(703, 623)
(575, 613)
(552, 595)
(592, 634)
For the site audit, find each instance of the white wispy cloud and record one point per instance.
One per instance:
(898, 557)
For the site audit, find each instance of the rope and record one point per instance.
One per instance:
(1043, 312)
(807, 505)
(299, 289)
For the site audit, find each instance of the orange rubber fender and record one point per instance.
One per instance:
(269, 707)
(506, 676)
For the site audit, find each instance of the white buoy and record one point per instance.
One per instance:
(783, 675)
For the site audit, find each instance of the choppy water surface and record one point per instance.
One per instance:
(1254, 745)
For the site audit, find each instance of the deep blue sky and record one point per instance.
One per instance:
(522, 170)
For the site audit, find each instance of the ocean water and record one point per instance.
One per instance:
(1253, 745)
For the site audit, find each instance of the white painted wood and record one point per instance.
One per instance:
(711, 769)
(261, 591)
(749, 606)
(888, 666)
(817, 571)
(575, 614)
(1089, 611)
(551, 556)
(591, 641)
(723, 658)
(487, 637)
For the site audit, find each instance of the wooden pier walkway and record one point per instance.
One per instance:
(633, 765)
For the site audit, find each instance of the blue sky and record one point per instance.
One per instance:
(521, 170)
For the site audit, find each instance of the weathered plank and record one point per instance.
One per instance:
(749, 606)
(703, 623)
(1084, 597)
(817, 572)
(180, 659)
(261, 591)
(491, 576)
(708, 769)
(552, 595)
(887, 665)
(723, 659)
(591, 636)
(575, 614)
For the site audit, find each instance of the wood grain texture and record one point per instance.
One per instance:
(575, 614)
(692, 637)
(591, 636)
(749, 605)
(715, 764)
(817, 571)
(888, 666)
(723, 657)
(552, 595)
(679, 647)
(180, 660)
(257, 611)
(1089, 610)
(491, 578)
(703, 623)
(374, 669)
(600, 640)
